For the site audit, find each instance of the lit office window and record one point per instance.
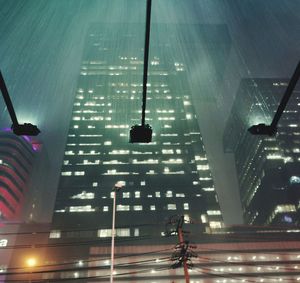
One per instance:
(95, 184)
(121, 207)
(107, 143)
(123, 232)
(215, 224)
(137, 194)
(79, 173)
(152, 207)
(136, 232)
(67, 173)
(157, 194)
(180, 195)
(126, 195)
(171, 206)
(186, 206)
(82, 208)
(84, 195)
(104, 233)
(213, 212)
(105, 208)
(169, 194)
(143, 183)
(137, 207)
(202, 167)
(55, 234)
(167, 151)
(203, 218)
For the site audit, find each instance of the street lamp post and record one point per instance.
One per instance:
(115, 189)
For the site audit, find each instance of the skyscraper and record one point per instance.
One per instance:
(267, 167)
(168, 176)
(17, 156)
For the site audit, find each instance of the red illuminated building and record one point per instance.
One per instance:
(16, 161)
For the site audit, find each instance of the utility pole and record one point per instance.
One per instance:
(115, 189)
(183, 251)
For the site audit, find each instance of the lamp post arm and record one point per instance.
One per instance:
(7, 100)
(286, 96)
(146, 58)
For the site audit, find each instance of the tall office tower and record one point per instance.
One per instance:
(17, 156)
(268, 168)
(166, 177)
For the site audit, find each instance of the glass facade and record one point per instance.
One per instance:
(267, 167)
(170, 175)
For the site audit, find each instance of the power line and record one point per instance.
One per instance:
(94, 260)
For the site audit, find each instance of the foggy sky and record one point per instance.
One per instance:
(41, 44)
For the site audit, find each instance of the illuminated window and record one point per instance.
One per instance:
(126, 195)
(215, 224)
(213, 212)
(104, 233)
(143, 183)
(84, 195)
(137, 194)
(3, 242)
(137, 207)
(180, 195)
(55, 234)
(136, 232)
(107, 143)
(285, 208)
(202, 167)
(203, 218)
(95, 184)
(79, 173)
(188, 116)
(208, 189)
(121, 207)
(171, 206)
(186, 206)
(82, 208)
(105, 208)
(68, 173)
(123, 232)
(152, 207)
(169, 194)
(157, 194)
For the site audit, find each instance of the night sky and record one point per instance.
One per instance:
(41, 45)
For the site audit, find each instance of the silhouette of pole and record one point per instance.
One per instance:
(113, 238)
(7, 100)
(286, 96)
(146, 58)
(182, 242)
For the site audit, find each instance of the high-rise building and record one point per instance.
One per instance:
(17, 156)
(171, 175)
(268, 168)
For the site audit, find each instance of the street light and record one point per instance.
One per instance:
(143, 133)
(270, 130)
(31, 262)
(18, 129)
(119, 185)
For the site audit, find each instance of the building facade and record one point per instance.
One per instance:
(233, 255)
(267, 167)
(170, 175)
(17, 156)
